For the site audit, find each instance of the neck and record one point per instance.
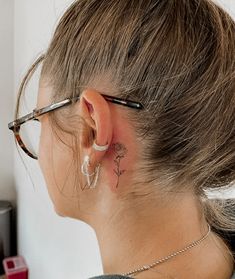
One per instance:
(137, 236)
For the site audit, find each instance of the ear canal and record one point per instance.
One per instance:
(89, 106)
(93, 134)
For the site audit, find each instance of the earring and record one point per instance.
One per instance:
(100, 147)
(84, 169)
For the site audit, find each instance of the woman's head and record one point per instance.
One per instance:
(174, 57)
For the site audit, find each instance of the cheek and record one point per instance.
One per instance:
(56, 162)
(45, 149)
(45, 156)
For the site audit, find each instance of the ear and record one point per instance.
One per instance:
(95, 110)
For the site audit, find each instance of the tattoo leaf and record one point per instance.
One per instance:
(120, 151)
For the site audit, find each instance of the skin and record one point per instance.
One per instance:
(130, 232)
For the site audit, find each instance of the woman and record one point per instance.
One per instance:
(137, 116)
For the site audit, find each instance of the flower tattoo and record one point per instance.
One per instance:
(120, 152)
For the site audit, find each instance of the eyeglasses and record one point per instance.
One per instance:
(27, 129)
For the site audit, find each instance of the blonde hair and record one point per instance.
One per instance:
(177, 59)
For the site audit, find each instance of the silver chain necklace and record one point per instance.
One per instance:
(146, 267)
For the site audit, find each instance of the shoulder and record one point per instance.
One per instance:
(113, 276)
(117, 276)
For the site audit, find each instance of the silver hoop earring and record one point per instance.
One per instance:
(100, 147)
(84, 169)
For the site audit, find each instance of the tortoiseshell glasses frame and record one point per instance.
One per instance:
(15, 125)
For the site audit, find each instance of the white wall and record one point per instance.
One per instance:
(7, 191)
(229, 5)
(54, 248)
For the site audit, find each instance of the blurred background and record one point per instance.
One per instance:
(53, 247)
